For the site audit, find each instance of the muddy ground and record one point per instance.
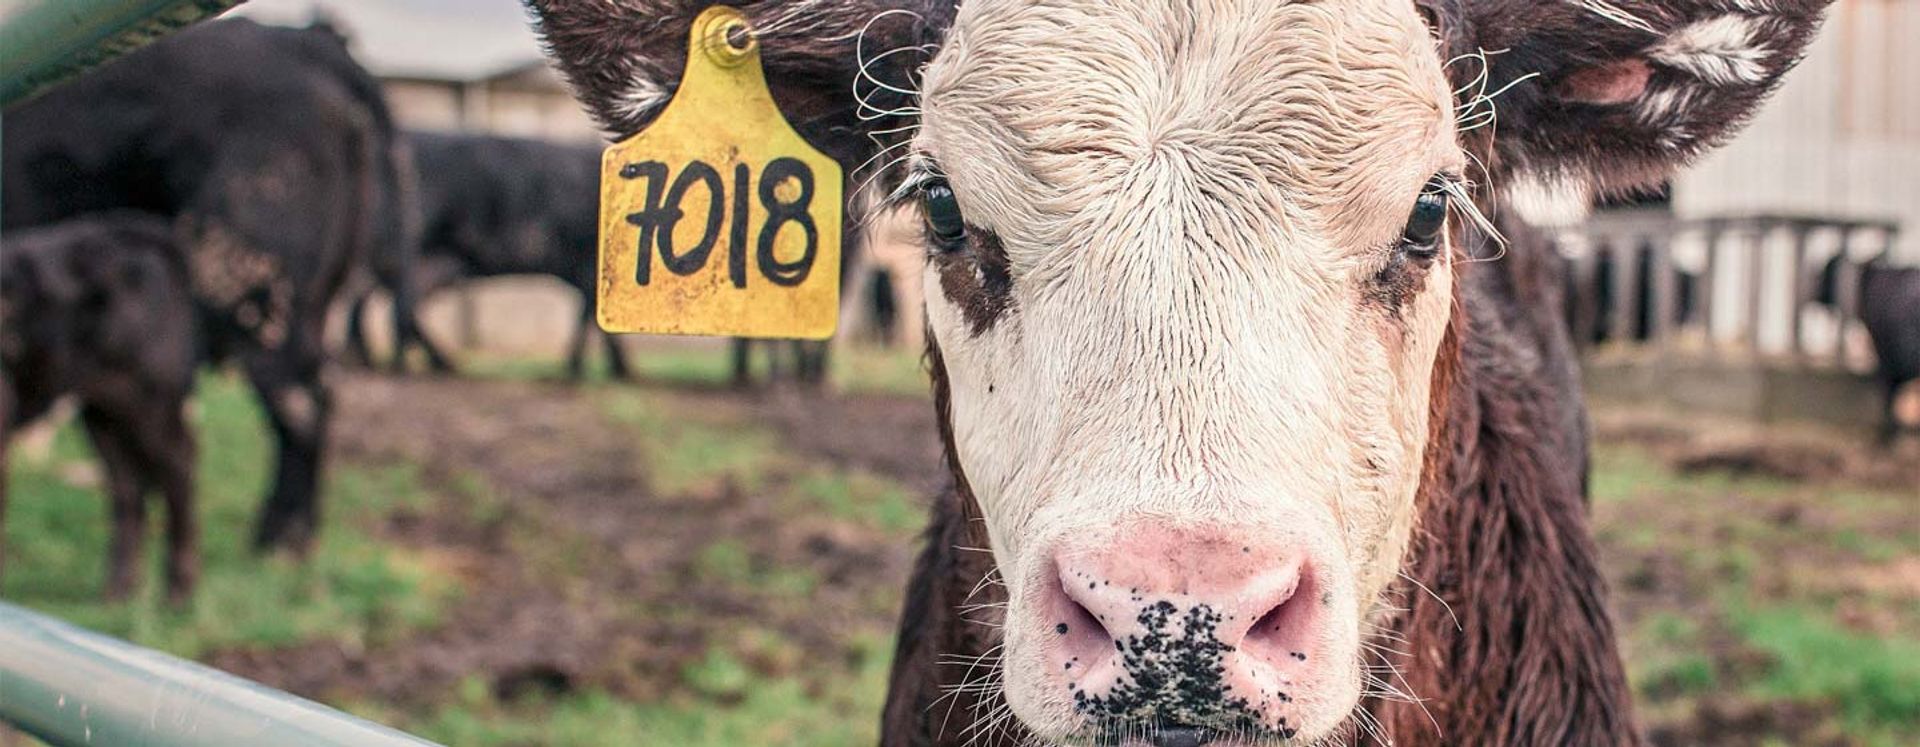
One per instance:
(577, 571)
(581, 570)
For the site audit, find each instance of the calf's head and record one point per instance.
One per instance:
(1191, 285)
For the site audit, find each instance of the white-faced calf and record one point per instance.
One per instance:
(1236, 383)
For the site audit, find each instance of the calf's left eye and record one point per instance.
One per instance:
(1421, 237)
(945, 226)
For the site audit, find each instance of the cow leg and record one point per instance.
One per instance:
(168, 448)
(1889, 420)
(125, 497)
(407, 332)
(813, 362)
(359, 351)
(616, 357)
(577, 347)
(298, 407)
(742, 362)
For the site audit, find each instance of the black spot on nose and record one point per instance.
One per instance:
(1182, 736)
(1061, 628)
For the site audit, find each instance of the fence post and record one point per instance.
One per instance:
(1797, 292)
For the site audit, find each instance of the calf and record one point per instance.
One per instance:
(1251, 439)
(1889, 307)
(98, 308)
(265, 148)
(492, 206)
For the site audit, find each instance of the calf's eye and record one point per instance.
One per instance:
(1421, 237)
(945, 227)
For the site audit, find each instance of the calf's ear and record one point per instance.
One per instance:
(1609, 95)
(839, 69)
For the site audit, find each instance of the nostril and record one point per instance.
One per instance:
(1284, 631)
(1084, 633)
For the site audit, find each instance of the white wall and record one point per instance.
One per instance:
(1841, 137)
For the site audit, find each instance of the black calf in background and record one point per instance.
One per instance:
(1889, 307)
(99, 308)
(268, 152)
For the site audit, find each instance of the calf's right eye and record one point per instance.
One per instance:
(946, 229)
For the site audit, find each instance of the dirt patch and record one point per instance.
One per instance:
(1789, 453)
(577, 573)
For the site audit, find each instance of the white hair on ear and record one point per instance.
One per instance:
(1722, 50)
(641, 97)
(1606, 9)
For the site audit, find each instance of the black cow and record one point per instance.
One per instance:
(99, 308)
(1889, 307)
(492, 206)
(271, 153)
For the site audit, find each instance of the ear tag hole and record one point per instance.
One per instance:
(729, 40)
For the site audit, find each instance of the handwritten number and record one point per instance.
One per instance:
(793, 273)
(661, 213)
(737, 241)
(650, 214)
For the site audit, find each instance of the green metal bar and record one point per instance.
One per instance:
(71, 687)
(42, 42)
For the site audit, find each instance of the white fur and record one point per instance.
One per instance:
(1606, 9)
(1721, 50)
(1193, 218)
(642, 96)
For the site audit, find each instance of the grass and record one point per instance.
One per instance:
(1873, 682)
(725, 703)
(355, 589)
(1766, 615)
(1739, 604)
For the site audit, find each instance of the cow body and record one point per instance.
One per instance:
(99, 309)
(264, 148)
(492, 206)
(1890, 309)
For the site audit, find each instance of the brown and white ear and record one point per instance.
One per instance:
(1614, 94)
(839, 70)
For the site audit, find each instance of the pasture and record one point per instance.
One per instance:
(507, 560)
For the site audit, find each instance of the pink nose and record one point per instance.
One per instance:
(1182, 629)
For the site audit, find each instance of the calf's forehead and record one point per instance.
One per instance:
(1333, 111)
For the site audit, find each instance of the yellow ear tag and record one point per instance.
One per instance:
(718, 219)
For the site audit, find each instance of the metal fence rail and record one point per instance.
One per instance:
(1743, 275)
(70, 687)
(44, 41)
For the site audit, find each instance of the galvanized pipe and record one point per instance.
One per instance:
(71, 687)
(42, 42)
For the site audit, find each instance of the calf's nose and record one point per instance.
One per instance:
(1184, 629)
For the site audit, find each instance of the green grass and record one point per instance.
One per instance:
(684, 451)
(863, 498)
(1761, 566)
(1873, 682)
(723, 703)
(355, 589)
